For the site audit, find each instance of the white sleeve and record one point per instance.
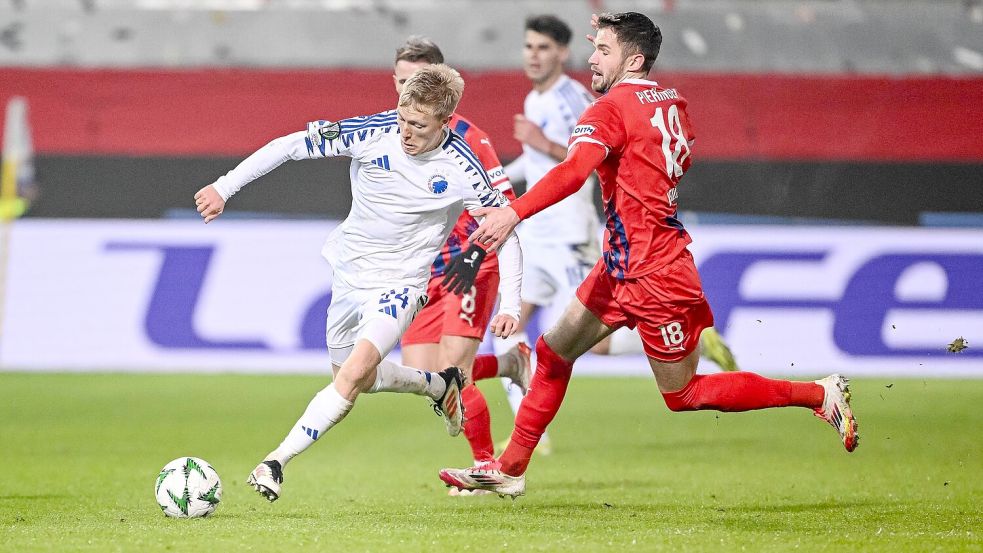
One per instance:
(264, 160)
(516, 171)
(510, 274)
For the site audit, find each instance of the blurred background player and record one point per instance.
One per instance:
(449, 329)
(638, 137)
(410, 176)
(561, 243)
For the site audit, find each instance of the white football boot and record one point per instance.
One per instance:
(266, 479)
(836, 409)
(487, 476)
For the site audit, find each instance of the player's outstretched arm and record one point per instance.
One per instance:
(210, 200)
(209, 203)
(561, 182)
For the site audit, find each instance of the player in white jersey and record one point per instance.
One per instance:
(411, 176)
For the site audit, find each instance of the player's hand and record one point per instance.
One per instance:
(209, 203)
(498, 224)
(527, 132)
(593, 23)
(463, 270)
(504, 325)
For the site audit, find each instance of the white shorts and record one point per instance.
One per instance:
(379, 315)
(551, 274)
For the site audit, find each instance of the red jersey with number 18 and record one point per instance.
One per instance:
(647, 135)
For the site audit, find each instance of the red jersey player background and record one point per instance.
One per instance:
(638, 138)
(449, 329)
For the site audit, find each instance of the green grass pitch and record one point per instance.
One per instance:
(81, 452)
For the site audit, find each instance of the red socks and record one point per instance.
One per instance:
(549, 384)
(485, 367)
(477, 427)
(743, 391)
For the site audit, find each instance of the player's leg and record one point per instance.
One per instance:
(684, 390)
(514, 394)
(591, 315)
(459, 351)
(671, 326)
(573, 335)
(465, 321)
(513, 364)
(383, 326)
(627, 341)
(421, 341)
(328, 407)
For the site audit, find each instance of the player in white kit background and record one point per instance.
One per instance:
(411, 177)
(560, 247)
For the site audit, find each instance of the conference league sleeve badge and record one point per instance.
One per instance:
(319, 131)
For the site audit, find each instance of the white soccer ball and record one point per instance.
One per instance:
(188, 487)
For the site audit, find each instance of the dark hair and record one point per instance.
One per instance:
(419, 48)
(636, 33)
(550, 26)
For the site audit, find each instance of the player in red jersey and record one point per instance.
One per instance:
(449, 329)
(638, 138)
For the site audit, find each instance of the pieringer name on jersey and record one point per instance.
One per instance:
(654, 95)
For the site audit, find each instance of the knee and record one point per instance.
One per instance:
(678, 404)
(550, 363)
(356, 376)
(684, 399)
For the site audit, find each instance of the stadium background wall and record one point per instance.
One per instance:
(852, 148)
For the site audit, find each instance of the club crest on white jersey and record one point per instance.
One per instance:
(437, 184)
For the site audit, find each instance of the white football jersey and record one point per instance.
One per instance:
(403, 206)
(556, 111)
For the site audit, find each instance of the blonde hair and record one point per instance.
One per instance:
(435, 89)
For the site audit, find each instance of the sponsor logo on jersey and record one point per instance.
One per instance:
(672, 195)
(496, 173)
(582, 130)
(437, 184)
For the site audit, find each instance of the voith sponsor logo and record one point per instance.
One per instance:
(583, 130)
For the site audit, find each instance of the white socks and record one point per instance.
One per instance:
(327, 409)
(392, 377)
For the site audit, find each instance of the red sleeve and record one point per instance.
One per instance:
(600, 124)
(482, 147)
(562, 180)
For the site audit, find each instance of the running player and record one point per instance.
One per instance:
(410, 177)
(561, 243)
(449, 329)
(638, 137)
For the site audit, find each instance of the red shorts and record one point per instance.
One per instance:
(667, 306)
(447, 314)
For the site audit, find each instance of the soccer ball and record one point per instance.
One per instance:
(188, 487)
